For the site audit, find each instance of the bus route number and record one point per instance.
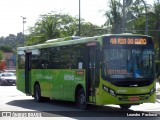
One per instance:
(118, 41)
(113, 41)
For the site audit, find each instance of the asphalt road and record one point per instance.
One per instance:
(16, 104)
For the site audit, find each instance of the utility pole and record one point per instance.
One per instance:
(79, 26)
(24, 21)
(124, 16)
(146, 24)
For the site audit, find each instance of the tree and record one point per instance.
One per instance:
(57, 25)
(2, 62)
(19, 39)
(89, 30)
(2, 65)
(154, 20)
(114, 16)
(12, 40)
(50, 26)
(6, 48)
(2, 40)
(1, 55)
(134, 16)
(156, 34)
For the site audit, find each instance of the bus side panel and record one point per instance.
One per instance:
(49, 82)
(44, 78)
(66, 80)
(64, 84)
(20, 82)
(71, 79)
(58, 83)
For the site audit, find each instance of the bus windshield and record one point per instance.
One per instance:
(128, 63)
(128, 57)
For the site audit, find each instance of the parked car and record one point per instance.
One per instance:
(7, 78)
(13, 71)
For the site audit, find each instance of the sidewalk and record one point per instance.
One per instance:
(157, 92)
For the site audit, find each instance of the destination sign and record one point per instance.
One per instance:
(130, 41)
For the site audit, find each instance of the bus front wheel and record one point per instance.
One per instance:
(37, 93)
(81, 99)
(125, 106)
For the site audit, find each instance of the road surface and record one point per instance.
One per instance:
(19, 105)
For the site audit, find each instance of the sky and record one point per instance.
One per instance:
(12, 10)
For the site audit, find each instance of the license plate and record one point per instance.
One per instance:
(134, 98)
(10, 81)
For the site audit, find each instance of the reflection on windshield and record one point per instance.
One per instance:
(126, 63)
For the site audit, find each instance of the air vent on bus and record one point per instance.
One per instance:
(63, 39)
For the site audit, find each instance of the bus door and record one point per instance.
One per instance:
(28, 72)
(92, 71)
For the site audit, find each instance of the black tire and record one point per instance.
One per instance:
(45, 99)
(81, 99)
(37, 93)
(125, 106)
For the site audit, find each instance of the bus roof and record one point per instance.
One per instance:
(72, 40)
(59, 42)
(125, 34)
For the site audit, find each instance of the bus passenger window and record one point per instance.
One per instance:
(80, 65)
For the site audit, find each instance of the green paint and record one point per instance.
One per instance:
(61, 83)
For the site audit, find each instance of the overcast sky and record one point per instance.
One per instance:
(12, 10)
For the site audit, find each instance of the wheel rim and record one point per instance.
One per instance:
(82, 100)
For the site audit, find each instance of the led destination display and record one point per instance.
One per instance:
(134, 41)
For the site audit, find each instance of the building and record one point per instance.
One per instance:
(10, 59)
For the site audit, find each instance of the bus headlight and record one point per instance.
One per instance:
(112, 92)
(109, 90)
(106, 88)
(152, 90)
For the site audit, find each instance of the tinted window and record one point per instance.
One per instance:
(35, 59)
(65, 57)
(21, 60)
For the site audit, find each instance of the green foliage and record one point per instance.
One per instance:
(135, 16)
(155, 18)
(12, 40)
(1, 55)
(50, 26)
(157, 62)
(58, 25)
(6, 49)
(88, 29)
(114, 16)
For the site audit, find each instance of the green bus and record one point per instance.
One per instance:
(108, 69)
